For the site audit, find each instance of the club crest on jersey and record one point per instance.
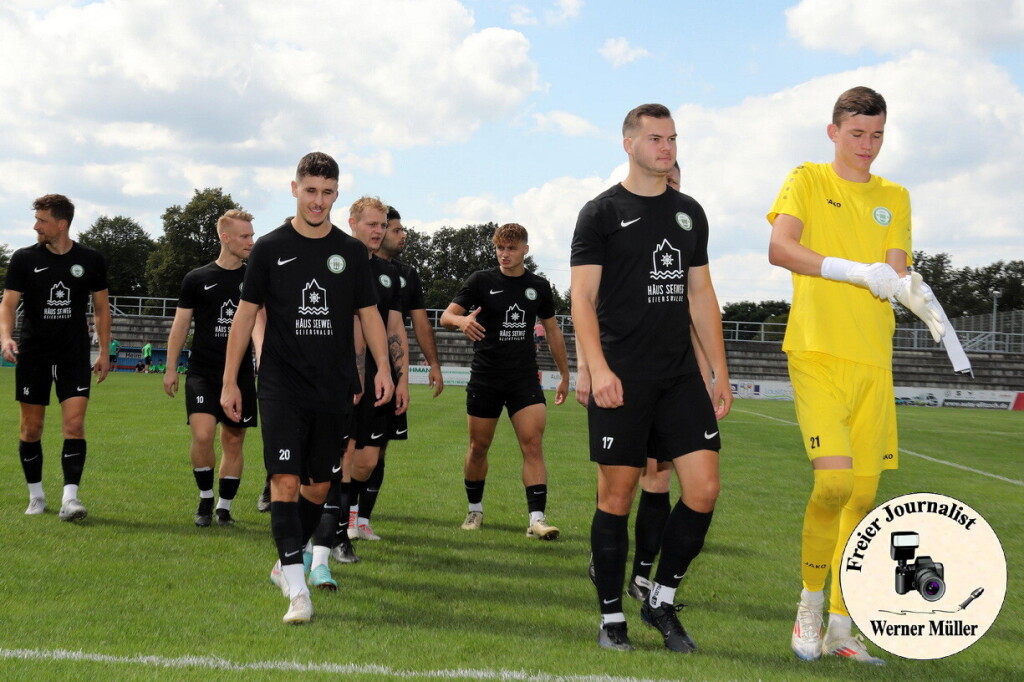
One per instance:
(531, 294)
(385, 281)
(684, 221)
(336, 264)
(882, 216)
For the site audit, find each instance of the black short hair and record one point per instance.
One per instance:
(632, 120)
(317, 165)
(59, 206)
(393, 214)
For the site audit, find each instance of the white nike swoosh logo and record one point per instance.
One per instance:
(335, 470)
(81, 388)
(646, 563)
(30, 459)
(399, 433)
(40, 269)
(327, 506)
(207, 287)
(709, 436)
(497, 292)
(293, 553)
(247, 419)
(71, 454)
(677, 577)
(282, 261)
(375, 436)
(609, 601)
(627, 223)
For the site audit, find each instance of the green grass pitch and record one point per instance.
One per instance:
(137, 579)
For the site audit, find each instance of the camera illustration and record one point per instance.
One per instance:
(922, 574)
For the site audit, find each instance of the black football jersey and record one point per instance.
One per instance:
(510, 307)
(645, 247)
(55, 292)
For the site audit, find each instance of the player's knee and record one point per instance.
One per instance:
(31, 431)
(478, 448)
(74, 427)
(832, 487)
(701, 495)
(862, 498)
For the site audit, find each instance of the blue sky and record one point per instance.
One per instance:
(464, 112)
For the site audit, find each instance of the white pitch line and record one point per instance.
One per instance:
(216, 663)
(1012, 481)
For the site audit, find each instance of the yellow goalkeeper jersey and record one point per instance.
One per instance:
(858, 221)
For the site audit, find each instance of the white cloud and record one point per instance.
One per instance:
(618, 52)
(565, 123)
(947, 26)
(563, 11)
(522, 16)
(116, 98)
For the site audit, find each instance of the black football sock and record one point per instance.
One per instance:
(368, 499)
(651, 516)
(31, 455)
(537, 498)
(681, 543)
(609, 544)
(72, 460)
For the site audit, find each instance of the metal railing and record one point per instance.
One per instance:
(973, 334)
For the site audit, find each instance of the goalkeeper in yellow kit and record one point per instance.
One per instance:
(845, 235)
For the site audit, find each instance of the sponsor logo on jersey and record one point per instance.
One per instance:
(285, 261)
(531, 294)
(58, 306)
(314, 311)
(336, 264)
(627, 223)
(227, 313)
(667, 264)
(684, 221)
(77, 270)
(207, 287)
(882, 216)
(385, 281)
(38, 270)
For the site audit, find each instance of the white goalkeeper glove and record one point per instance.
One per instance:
(879, 278)
(917, 297)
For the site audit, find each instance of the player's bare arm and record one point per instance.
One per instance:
(605, 386)
(238, 342)
(8, 308)
(259, 331)
(455, 317)
(175, 343)
(359, 346)
(556, 342)
(582, 375)
(398, 351)
(101, 318)
(377, 343)
(425, 338)
(707, 321)
(785, 250)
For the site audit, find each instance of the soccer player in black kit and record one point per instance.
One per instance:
(370, 424)
(54, 278)
(639, 276)
(508, 302)
(310, 278)
(209, 295)
(412, 304)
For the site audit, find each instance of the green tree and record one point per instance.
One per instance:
(126, 247)
(445, 259)
(189, 240)
(749, 311)
(968, 291)
(5, 260)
